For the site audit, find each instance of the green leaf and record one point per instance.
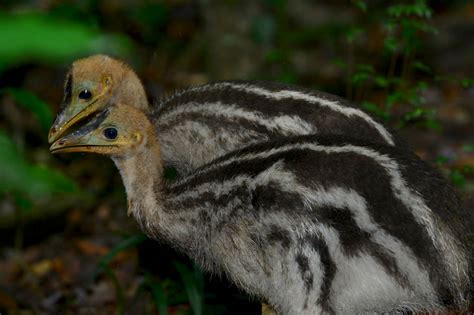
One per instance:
(374, 108)
(34, 181)
(158, 293)
(394, 98)
(458, 178)
(193, 284)
(264, 29)
(359, 77)
(35, 36)
(25, 204)
(119, 292)
(381, 81)
(467, 83)
(362, 5)
(419, 9)
(421, 86)
(433, 124)
(468, 148)
(418, 65)
(37, 106)
(442, 159)
(340, 63)
(411, 29)
(391, 44)
(362, 67)
(275, 56)
(129, 242)
(353, 33)
(414, 114)
(287, 77)
(468, 169)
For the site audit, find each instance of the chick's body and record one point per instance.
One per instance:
(309, 224)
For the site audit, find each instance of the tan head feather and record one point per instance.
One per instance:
(93, 84)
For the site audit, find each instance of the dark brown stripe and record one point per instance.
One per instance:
(329, 269)
(355, 241)
(306, 274)
(326, 120)
(67, 91)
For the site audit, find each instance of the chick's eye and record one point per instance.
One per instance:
(110, 133)
(85, 95)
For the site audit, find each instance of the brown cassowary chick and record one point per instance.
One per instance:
(309, 224)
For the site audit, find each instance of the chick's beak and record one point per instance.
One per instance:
(71, 114)
(59, 146)
(57, 129)
(85, 139)
(75, 142)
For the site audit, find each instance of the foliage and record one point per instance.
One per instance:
(27, 180)
(460, 173)
(39, 37)
(158, 292)
(404, 26)
(165, 292)
(389, 81)
(37, 106)
(127, 243)
(194, 285)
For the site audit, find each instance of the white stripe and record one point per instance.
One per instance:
(217, 188)
(456, 261)
(291, 94)
(287, 125)
(296, 95)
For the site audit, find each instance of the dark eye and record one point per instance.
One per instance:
(85, 95)
(110, 133)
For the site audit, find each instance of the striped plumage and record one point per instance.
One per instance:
(199, 124)
(309, 224)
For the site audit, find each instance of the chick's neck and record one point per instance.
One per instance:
(155, 209)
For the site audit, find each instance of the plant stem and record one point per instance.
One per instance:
(19, 227)
(405, 67)
(350, 70)
(391, 67)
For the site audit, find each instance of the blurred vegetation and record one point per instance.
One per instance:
(37, 37)
(384, 55)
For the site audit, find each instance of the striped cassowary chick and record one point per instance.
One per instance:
(199, 124)
(309, 224)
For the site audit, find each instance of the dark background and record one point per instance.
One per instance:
(67, 246)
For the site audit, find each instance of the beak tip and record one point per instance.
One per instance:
(56, 145)
(52, 148)
(52, 135)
